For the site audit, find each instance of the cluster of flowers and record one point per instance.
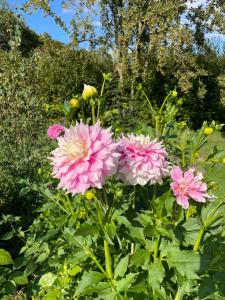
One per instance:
(87, 155)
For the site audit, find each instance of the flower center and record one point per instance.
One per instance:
(76, 149)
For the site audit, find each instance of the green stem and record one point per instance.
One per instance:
(69, 204)
(82, 111)
(93, 257)
(108, 260)
(164, 102)
(156, 249)
(179, 294)
(149, 103)
(157, 127)
(183, 158)
(133, 198)
(93, 113)
(99, 215)
(100, 100)
(199, 238)
(154, 192)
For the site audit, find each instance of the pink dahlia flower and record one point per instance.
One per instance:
(55, 130)
(85, 157)
(142, 160)
(186, 185)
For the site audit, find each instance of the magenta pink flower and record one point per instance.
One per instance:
(55, 130)
(186, 185)
(85, 157)
(142, 160)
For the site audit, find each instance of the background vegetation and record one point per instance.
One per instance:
(148, 47)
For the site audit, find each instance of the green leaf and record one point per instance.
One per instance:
(52, 294)
(9, 287)
(140, 258)
(8, 235)
(186, 262)
(19, 278)
(74, 271)
(156, 274)
(87, 229)
(125, 283)
(30, 268)
(190, 230)
(121, 267)
(47, 280)
(88, 279)
(42, 257)
(67, 106)
(5, 258)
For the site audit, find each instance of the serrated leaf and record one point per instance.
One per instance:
(121, 267)
(88, 279)
(186, 262)
(125, 283)
(5, 258)
(47, 280)
(140, 258)
(87, 229)
(156, 274)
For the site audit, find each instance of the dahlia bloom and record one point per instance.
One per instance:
(142, 160)
(55, 130)
(186, 185)
(85, 157)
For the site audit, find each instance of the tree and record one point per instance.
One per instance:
(8, 21)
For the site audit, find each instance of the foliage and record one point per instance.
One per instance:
(161, 46)
(125, 242)
(8, 21)
(23, 125)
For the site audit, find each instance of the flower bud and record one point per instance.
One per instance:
(197, 154)
(89, 92)
(74, 103)
(107, 76)
(174, 94)
(223, 160)
(208, 130)
(90, 195)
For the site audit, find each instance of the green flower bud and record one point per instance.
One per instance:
(89, 195)
(89, 92)
(74, 103)
(174, 94)
(208, 130)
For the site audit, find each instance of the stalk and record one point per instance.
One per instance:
(164, 102)
(156, 249)
(157, 126)
(149, 103)
(199, 238)
(100, 100)
(93, 113)
(108, 260)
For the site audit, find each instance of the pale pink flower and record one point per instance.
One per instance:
(55, 130)
(142, 160)
(85, 157)
(186, 185)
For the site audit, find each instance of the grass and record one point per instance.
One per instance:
(217, 174)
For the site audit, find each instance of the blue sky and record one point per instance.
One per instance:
(42, 24)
